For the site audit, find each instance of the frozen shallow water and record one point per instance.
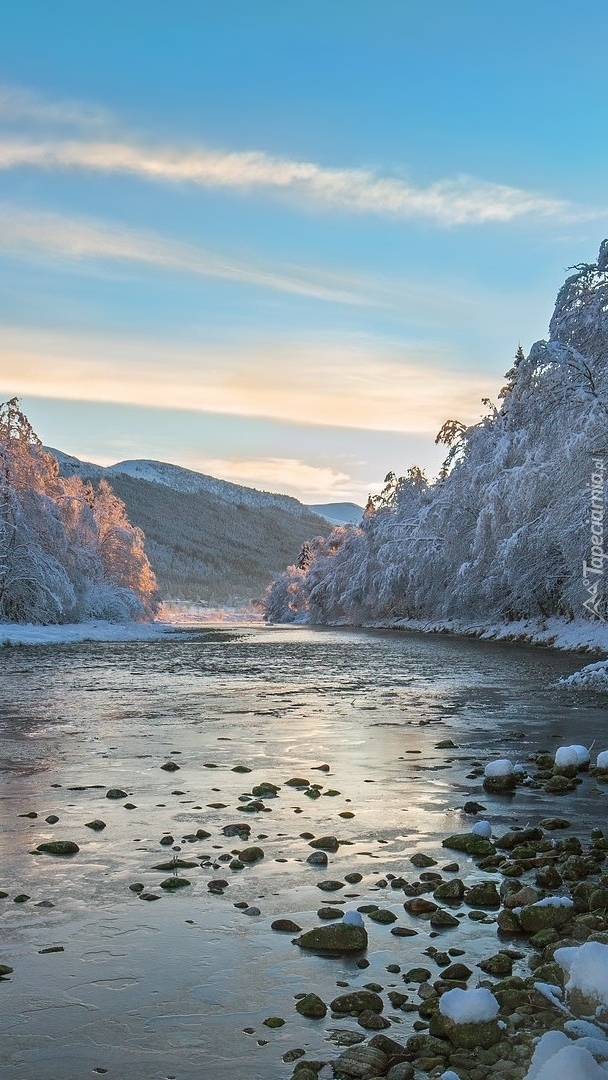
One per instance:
(166, 989)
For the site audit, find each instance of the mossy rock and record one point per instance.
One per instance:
(420, 907)
(5, 970)
(450, 892)
(550, 824)
(419, 859)
(598, 901)
(170, 766)
(356, 1002)
(456, 973)
(514, 837)
(548, 877)
(329, 912)
(325, 843)
(543, 938)
(470, 843)
(534, 917)
(559, 785)
(298, 782)
(339, 938)
(550, 973)
(417, 975)
(382, 915)
(361, 1061)
(253, 807)
(251, 854)
(465, 1036)
(172, 884)
(265, 788)
(483, 895)
(508, 922)
(58, 847)
(273, 1022)
(116, 793)
(442, 920)
(97, 825)
(178, 864)
(312, 1006)
(500, 964)
(285, 926)
(500, 785)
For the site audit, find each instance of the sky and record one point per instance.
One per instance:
(282, 244)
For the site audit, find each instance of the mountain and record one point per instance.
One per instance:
(344, 513)
(207, 539)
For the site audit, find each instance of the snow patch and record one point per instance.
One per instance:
(73, 633)
(587, 966)
(352, 918)
(469, 1006)
(572, 755)
(482, 828)
(500, 767)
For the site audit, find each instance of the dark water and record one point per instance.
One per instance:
(164, 989)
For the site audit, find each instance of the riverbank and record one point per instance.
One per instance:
(577, 635)
(76, 633)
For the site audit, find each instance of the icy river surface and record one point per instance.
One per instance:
(180, 987)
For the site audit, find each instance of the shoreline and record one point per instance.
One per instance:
(578, 635)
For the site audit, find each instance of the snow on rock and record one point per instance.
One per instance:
(554, 901)
(482, 828)
(352, 918)
(547, 1047)
(553, 994)
(583, 755)
(582, 1028)
(587, 966)
(602, 760)
(469, 1006)
(499, 767)
(572, 1062)
(590, 677)
(449, 1075)
(566, 756)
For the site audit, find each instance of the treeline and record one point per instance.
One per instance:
(513, 527)
(68, 552)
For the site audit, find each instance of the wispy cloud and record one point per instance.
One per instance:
(37, 234)
(291, 475)
(455, 201)
(348, 382)
(19, 103)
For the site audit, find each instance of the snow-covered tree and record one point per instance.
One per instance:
(504, 532)
(66, 551)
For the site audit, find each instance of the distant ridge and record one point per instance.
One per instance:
(188, 480)
(208, 540)
(342, 513)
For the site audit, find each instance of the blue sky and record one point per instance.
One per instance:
(282, 243)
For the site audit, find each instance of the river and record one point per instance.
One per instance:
(166, 989)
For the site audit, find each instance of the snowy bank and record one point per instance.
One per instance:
(73, 633)
(591, 677)
(577, 635)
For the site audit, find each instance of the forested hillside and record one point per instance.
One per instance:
(68, 552)
(217, 551)
(513, 527)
